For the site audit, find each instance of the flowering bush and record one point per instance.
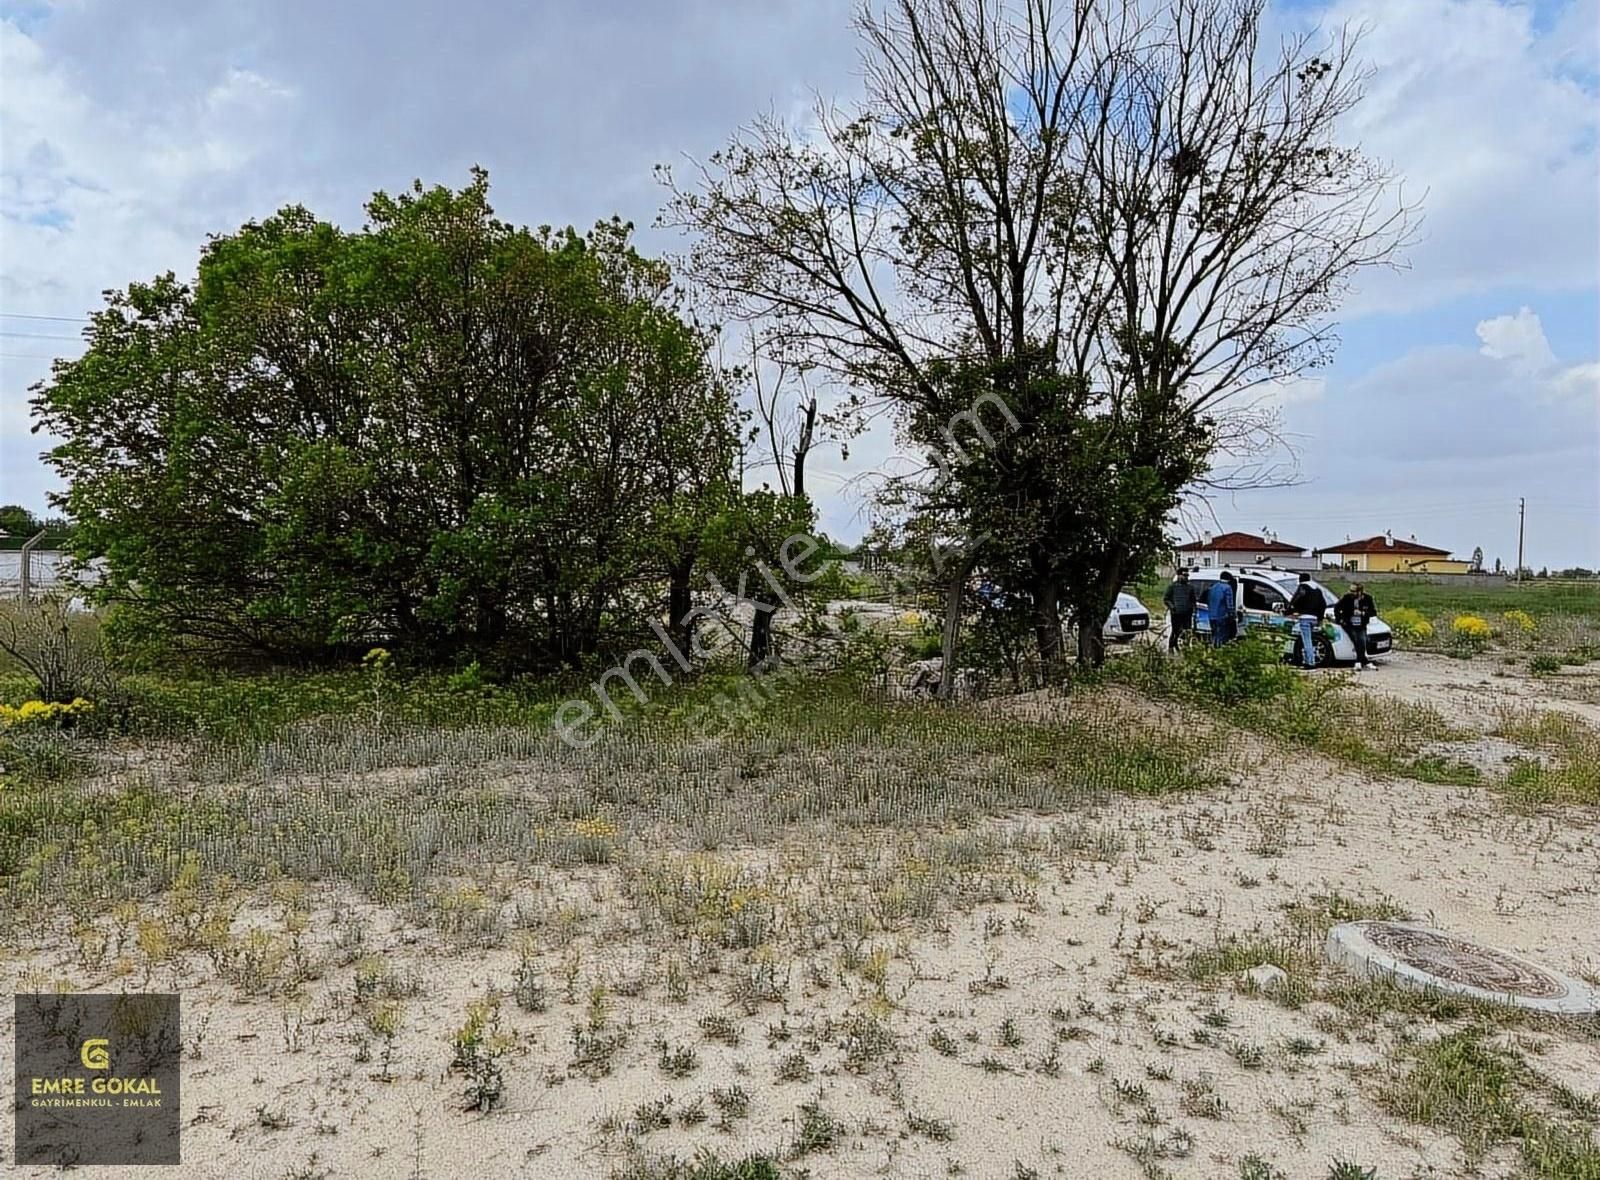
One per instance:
(1521, 620)
(1469, 634)
(43, 713)
(1408, 624)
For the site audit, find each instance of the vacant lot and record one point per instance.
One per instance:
(417, 936)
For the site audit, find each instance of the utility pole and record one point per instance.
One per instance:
(1522, 519)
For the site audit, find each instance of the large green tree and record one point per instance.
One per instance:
(441, 431)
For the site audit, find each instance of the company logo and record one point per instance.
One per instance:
(94, 1054)
(74, 1106)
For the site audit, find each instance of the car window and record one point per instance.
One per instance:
(1260, 596)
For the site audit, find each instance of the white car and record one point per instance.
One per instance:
(1263, 594)
(1128, 618)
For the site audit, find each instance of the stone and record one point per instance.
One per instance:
(1267, 977)
(1417, 956)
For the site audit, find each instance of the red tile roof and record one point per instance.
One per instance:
(1383, 544)
(1239, 542)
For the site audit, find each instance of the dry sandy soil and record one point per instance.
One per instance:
(1071, 1037)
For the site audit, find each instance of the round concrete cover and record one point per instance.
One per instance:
(1414, 955)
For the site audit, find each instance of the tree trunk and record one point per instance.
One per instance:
(760, 635)
(680, 603)
(1047, 624)
(1091, 614)
(1091, 644)
(952, 622)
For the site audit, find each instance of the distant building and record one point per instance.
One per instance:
(49, 564)
(1389, 554)
(1243, 549)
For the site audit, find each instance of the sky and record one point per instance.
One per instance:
(1464, 383)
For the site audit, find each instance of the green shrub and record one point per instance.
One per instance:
(1249, 669)
(1408, 625)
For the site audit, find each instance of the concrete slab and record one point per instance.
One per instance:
(1417, 956)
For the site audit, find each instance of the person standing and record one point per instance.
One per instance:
(1222, 609)
(1309, 605)
(1180, 599)
(1353, 611)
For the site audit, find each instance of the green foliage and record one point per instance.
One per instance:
(1069, 489)
(442, 433)
(1249, 669)
(1486, 1095)
(706, 1165)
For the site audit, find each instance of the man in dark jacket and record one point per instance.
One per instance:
(1180, 599)
(1309, 605)
(1222, 610)
(1352, 612)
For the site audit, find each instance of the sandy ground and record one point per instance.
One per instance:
(1474, 691)
(1072, 1027)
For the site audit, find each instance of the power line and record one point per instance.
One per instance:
(38, 335)
(65, 319)
(27, 356)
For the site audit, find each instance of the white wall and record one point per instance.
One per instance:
(1221, 557)
(48, 568)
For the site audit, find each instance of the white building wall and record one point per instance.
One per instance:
(48, 569)
(1212, 558)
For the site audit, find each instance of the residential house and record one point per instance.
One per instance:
(1390, 554)
(1242, 549)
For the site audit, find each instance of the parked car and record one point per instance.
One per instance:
(1263, 593)
(1128, 618)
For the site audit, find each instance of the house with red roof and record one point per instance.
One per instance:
(1387, 553)
(1242, 549)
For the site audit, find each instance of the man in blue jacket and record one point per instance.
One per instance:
(1222, 610)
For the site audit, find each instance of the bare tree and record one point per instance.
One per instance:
(1136, 196)
(60, 648)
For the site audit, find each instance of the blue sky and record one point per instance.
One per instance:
(1470, 379)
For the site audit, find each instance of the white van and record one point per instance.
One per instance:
(1263, 594)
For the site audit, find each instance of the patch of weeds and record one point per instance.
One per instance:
(1010, 1033)
(706, 1165)
(1253, 1167)
(654, 1115)
(816, 1129)
(1200, 1098)
(867, 1041)
(1485, 1096)
(794, 1068)
(1569, 769)
(939, 1130)
(1149, 1150)
(720, 1028)
(593, 1049)
(676, 1061)
(1248, 1054)
(478, 1047)
(1350, 1170)
(733, 1101)
(943, 1043)
(1234, 956)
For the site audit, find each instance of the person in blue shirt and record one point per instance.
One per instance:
(1222, 610)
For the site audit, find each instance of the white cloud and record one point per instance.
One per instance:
(1494, 125)
(1518, 340)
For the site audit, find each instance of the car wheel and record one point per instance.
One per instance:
(1324, 647)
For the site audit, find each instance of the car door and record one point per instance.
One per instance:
(1263, 603)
